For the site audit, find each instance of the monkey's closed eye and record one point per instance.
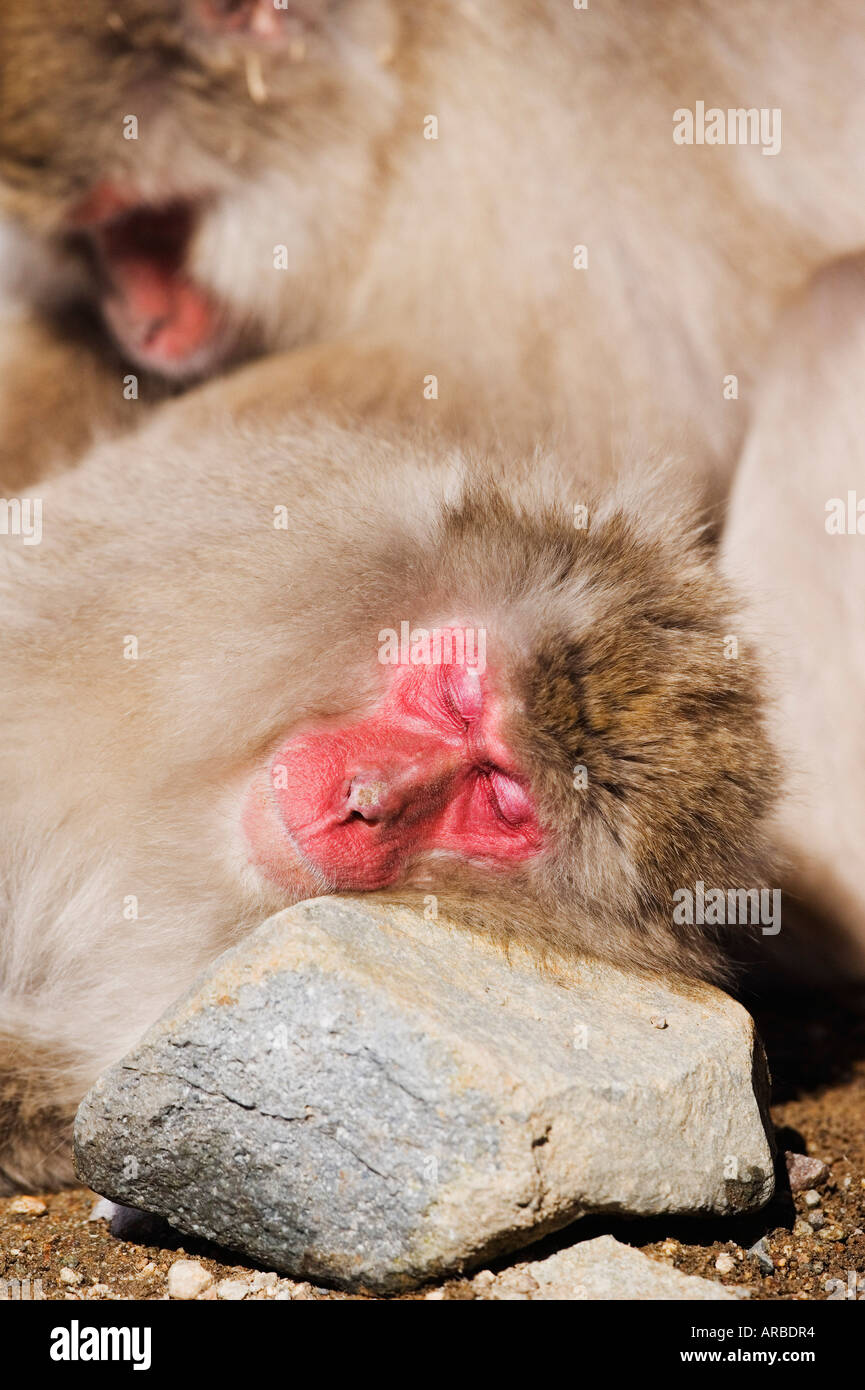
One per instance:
(461, 693)
(509, 800)
(449, 701)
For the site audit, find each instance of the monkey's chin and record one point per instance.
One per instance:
(271, 850)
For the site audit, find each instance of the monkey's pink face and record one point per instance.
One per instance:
(426, 775)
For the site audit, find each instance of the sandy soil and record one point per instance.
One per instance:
(816, 1050)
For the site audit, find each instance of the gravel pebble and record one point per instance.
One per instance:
(232, 1290)
(759, 1251)
(27, 1206)
(812, 1198)
(188, 1279)
(831, 1233)
(725, 1264)
(803, 1171)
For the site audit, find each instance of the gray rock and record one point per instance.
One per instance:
(759, 1252)
(357, 1095)
(600, 1269)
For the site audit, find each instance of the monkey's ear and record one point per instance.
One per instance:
(267, 20)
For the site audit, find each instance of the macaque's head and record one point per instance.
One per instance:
(426, 777)
(561, 718)
(419, 680)
(203, 165)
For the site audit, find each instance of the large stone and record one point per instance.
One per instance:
(358, 1095)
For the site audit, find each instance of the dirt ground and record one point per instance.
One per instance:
(816, 1049)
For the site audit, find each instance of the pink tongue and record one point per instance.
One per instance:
(155, 313)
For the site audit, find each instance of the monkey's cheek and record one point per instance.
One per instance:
(270, 849)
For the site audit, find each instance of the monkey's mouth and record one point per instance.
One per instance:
(152, 306)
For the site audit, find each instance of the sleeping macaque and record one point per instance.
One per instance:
(249, 664)
(500, 192)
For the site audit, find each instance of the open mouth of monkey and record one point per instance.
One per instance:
(153, 307)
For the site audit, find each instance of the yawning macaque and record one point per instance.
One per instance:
(498, 190)
(261, 662)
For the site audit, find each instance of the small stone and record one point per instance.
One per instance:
(434, 1295)
(725, 1264)
(187, 1279)
(98, 1291)
(605, 1269)
(27, 1206)
(514, 1285)
(812, 1198)
(232, 1290)
(484, 1278)
(831, 1233)
(658, 1021)
(803, 1171)
(759, 1251)
(815, 1220)
(70, 1276)
(263, 1280)
(801, 1227)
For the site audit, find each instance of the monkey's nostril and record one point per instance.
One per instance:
(366, 798)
